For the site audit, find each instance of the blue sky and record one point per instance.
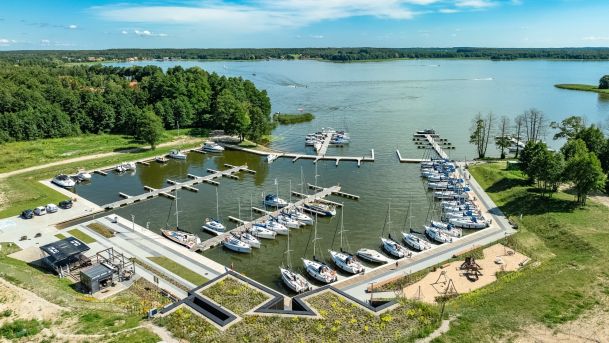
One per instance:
(102, 24)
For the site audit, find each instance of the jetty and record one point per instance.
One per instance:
(324, 144)
(428, 139)
(410, 160)
(296, 156)
(245, 225)
(194, 179)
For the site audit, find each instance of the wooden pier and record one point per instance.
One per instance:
(153, 192)
(215, 241)
(324, 145)
(339, 193)
(296, 156)
(410, 160)
(437, 147)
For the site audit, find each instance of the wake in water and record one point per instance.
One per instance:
(483, 79)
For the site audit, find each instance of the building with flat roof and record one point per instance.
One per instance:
(64, 255)
(96, 277)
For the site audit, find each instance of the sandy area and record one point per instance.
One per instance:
(593, 326)
(436, 283)
(25, 304)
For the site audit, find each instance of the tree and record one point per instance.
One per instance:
(552, 173)
(519, 121)
(594, 139)
(481, 131)
(534, 123)
(569, 127)
(149, 128)
(604, 82)
(503, 141)
(532, 159)
(572, 148)
(585, 171)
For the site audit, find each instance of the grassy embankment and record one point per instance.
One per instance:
(295, 118)
(178, 269)
(23, 191)
(84, 314)
(567, 276)
(582, 87)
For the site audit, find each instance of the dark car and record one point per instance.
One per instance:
(65, 204)
(27, 214)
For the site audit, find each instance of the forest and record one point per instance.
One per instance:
(328, 54)
(44, 100)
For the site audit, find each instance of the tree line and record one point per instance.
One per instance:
(329, 54)
(47, 101)
(582, 162)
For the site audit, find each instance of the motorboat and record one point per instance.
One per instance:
(125, 166)
(234, 244)
(426, 132)
(469, 223)
(161, 159)
(320, 271)
(210, 146)
(186, 239)
(274, 226)
(437, 235)
(298, 215)
(82, 175)
(437, 185)
(270, 158)
(177, 154)
(248, 239)
(294, 281)
(261, 232)
(450, 195)
(287, 221)
(415, 242)
(346, 262)
(450, 229)
(273, 200)
(52, 208)
(460, 215)
(213, 225)
(64, 181)
(372, 255)
(320, 208)
(394, 248)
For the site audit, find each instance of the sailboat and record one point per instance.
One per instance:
(186, 239)
(256, 230)
(213, 224)
(233, 243)
(392, 247)
(342, 259)
(294, 281)
(412, 241)
(319, 270)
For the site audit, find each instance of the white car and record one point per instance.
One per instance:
(52, 208)
(40, 211)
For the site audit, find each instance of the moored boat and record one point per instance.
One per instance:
(372, 255)
(294, 281)
(210, 146)
(394, 248)
(234, 244)
(186, 239)
(261, 232)
(437, 235)
(319, 271)
(415, 242)
(213, 225)
(177, 154)
(248, 239)
(320, 208)
(346, 262)
(273, 200)
(64, 181)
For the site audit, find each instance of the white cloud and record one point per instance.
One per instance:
(475, 3)
(45, 42)
(7, 42)
(596, 38)
(124, 32)
(317, 36)
(72, 27)
(448, 10)
(146, 33)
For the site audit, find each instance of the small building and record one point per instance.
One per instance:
(64, 255)
(96, 278)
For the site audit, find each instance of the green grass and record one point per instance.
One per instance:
(568, 246)
(82, 236)
(8, 248)
(293, 118)
(178, 269)
(581, 87)
(235, 295)
(100, 322)
(22, 328)
(60, 236)
(101, 229)
(135, 336)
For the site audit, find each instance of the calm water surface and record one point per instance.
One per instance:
(381, 104)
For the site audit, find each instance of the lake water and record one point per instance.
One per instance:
(381, 104)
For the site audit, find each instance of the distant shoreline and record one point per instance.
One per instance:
(582, 87)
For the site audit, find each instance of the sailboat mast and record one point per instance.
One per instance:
(239, 206)
(217, 206)
(288, 252)
(315, 235)
(342, 215)
(251, 208)
(177, 212)
(301, 181)
(290, 196)
(389, 218)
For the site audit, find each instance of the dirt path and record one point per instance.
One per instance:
(95, 156)
(25, 304)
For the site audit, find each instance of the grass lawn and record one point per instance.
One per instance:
(234, 295)
(101, 229)
(566, 277)
(60, 236)
(82, 236)
(178, 269)
(581, 87)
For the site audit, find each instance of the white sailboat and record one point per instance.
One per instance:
(249, 239)
(214, 225)
(390, 246)
(319, 270)
(293, 280)
(372, 255)
(438, 235)
(255, 230)
(233, 243)
(183, 238)
(415, 242)
(342, 259)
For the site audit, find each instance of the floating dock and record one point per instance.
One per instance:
(153, 192)
(295, 156)
(410, 160)
(428, 141)
(324, 144)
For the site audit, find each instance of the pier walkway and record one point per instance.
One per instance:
(295, 156)
(152, 192)
(324, 144)
(214, 241)
(410, 160)
(436, 147)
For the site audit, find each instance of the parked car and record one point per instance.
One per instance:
(65, 204)
(52, 208)
(40, 211)
(27, 214)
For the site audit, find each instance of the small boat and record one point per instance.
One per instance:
(186, 239)
(210, 146)
(177, 154)
(317, 145)
(437, 235)
(320, 208)
(271, 157)
(64, 181)
(294, 281)
(437, 185)
(213, 225)
(449, 229)
(161, 159)
(273, 200)
(469, 223)
(450, 195)
(261, 232)
(248, 239)
(372, 255)
(426, 132)
(125, 166)
(82, 175)
(298, 215)
(394, 248)
(287, 221)
(346, 262)
(415, 242)
(320, 271)
(234, 244)
(274, 226)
